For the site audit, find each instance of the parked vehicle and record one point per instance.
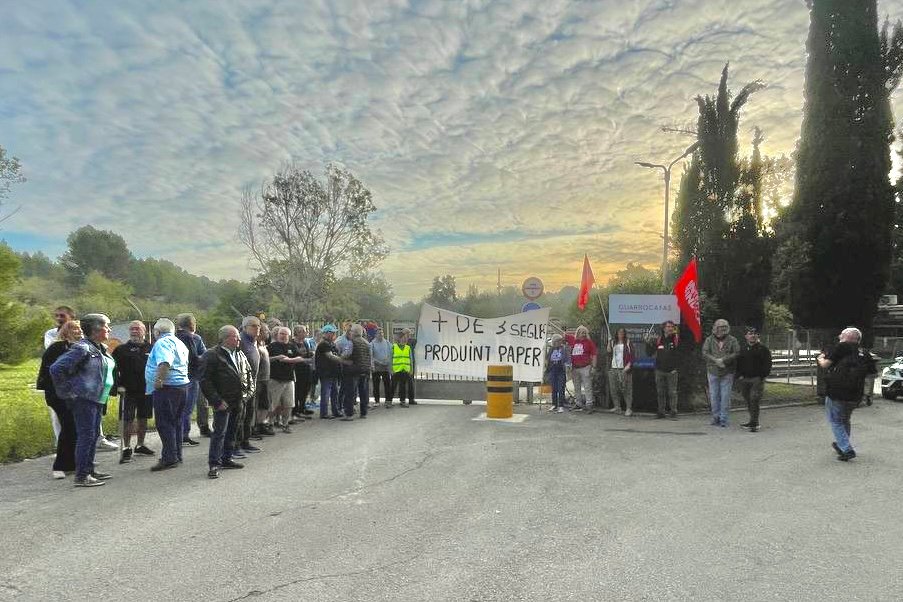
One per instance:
(892, 380)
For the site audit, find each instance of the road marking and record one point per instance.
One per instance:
(514, 419)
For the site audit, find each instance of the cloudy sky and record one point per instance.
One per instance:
(493, 135)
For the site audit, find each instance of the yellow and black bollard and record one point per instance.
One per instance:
(499, 392)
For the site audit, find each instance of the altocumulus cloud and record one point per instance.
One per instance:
(493, 134)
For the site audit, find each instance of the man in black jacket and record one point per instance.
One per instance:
(666, 359)
(128, 376)
(846, 367)
(228, 383)
(753, 367)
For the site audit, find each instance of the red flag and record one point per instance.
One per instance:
(586, 283)
(686, 289)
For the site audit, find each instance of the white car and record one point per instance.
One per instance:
(892, 380)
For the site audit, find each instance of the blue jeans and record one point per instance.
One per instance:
(87, 415)
(191, 397)
(329, 396)
(169, 402)
(356, 384)
(557, 378)
(222, 439)
(720, 395)
(838, 413)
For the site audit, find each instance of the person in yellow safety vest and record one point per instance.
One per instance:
(402, 370)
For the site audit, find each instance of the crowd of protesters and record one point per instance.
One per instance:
(260, 379)
(849, 375)
(256, 381)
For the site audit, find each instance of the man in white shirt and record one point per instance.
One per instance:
(61, 314)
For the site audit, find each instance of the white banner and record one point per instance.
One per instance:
(459, 345)
(642, 309)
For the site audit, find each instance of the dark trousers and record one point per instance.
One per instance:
(65, 443)
(359, 384)
(329, 396)
(236, 418)
(751, 388)
(382, 375)
(303, 383)
(86, 415)
(222, 439)
(169, 403)
(191, 397)
(557, 380)
(666, 390)
(244, 426)
(203, 415)
(402, 385)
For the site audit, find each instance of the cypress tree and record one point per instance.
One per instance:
(843, 202)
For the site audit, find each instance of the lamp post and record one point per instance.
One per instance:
(667, 171)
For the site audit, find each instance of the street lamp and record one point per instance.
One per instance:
(667, 171)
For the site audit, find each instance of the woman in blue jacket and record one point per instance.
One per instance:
(83, 376)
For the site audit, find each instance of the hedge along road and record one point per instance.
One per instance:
(426, 503)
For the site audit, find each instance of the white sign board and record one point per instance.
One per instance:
(459, 345)
(532, 288)
(643, 309)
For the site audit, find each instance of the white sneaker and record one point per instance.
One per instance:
(58, 474)
(628, 413)
(560, 410)
(106, 445)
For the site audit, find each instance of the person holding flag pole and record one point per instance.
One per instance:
(583, 352)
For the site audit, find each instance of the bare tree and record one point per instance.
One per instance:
(10, 173)
(302, 233)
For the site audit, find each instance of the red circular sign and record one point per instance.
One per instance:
(532, 288)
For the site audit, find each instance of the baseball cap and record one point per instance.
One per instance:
(752, 330)
(329, 328)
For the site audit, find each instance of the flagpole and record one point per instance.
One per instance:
(604, 315)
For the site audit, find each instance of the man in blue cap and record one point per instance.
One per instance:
(328, 365)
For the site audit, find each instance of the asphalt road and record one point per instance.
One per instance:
(426, 503)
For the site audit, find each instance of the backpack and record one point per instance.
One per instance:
(844, 379)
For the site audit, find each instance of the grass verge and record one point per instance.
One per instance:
(25, 429)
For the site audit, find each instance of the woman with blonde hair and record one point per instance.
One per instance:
(64, 461)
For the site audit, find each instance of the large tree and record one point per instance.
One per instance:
(718, 216)
(842, 214)
(93, 250)
(304, 233)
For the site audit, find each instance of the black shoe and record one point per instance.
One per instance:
(659, 415)
(413, 403)
(746, 425)
(213, 473)
(268, 430)
(144, 451)
(101, 476)
(363, 416)
(161, 465)
(190, 442)
(753, 428)
(327, 417)
(231, 464)
(126, 456)
(847, 456)
(206, 432)
(250, 449)
(306, 412)
(837, 448)
(88, 481)
(673, 415)
(346, 418)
